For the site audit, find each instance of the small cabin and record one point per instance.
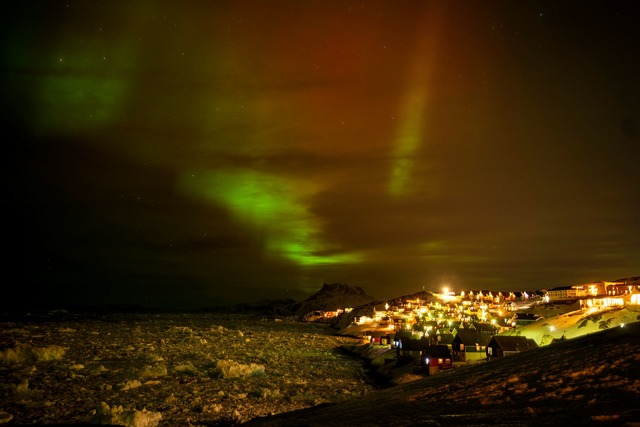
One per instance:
(469, 345)
(435, 358)
(501, 346)
(410, 348)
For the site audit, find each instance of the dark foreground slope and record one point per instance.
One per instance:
(593, 380)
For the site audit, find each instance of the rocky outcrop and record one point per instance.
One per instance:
(333, 296)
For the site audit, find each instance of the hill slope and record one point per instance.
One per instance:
(333, 296)
(592, 380)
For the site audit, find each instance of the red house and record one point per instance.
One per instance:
(436, 357)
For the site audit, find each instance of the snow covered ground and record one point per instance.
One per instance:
(146, 370)
(577, 323)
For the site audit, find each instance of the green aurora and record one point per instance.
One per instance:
(206, 151)
(273, 207)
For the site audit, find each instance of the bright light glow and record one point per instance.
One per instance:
(364, 319)
(552, 328)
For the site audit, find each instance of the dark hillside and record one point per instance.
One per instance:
(592, 380)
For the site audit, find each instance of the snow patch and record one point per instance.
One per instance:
(26, 353)
(129, 384)
(180, 330)
(232, 369)
(149, 371)
(187, 369)
(130, 418)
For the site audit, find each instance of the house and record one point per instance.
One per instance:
(511, 296)
(520, 296)
(618, 288)
(595, 288)
(487, 296)
(567, 293)
(501, 346)
(410, 348)
(377, 337)
(436, 357)
(449, 327)
(521, 319)
(480, 327)
(504, 296)
(481, 295)
(601, 302)
(469, 345)
(484, 328)
(444, 339)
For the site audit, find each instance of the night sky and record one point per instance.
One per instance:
(192, 154)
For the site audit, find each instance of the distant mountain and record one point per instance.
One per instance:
(333, 296)
(589, 381)
(330, 297)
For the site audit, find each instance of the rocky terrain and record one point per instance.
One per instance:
(168, 369)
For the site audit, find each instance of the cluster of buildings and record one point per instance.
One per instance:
(441, 328)
(600, 294)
